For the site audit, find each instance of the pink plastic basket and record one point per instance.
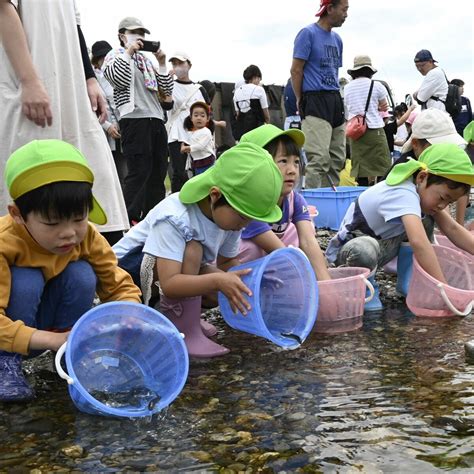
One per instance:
(342, 299)
(441, 239)
(428, 297)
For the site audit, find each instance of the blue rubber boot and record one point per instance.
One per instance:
(374, 304)
(13, 385)
(404, 268)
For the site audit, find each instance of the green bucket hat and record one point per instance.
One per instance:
(468, 132)
(247, 177)
(264, 134)
(42, 162)
(444, 159)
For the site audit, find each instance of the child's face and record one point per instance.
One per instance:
(290, 169)
(227, 218)
(436, 197)
(199, 117)
(58, 236)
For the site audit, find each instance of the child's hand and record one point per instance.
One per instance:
(234, 289)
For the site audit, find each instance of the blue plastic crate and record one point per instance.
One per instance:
(331, 205)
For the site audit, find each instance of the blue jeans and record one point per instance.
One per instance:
(56, 304)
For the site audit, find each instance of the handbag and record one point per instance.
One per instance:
(357, 126)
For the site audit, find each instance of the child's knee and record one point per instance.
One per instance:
(27, 285)
(359, 252)
(81, 276)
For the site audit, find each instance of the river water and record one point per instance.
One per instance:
(395, 396)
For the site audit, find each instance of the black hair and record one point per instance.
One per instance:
(362, 72)
(334, 3)
(290, 148)
(61, 200)
(121, 32)
(188, 123)
(251, 72)
(95, 61)
(435, 179)
(457, 82)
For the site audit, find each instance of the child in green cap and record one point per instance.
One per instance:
(190, 238)
(52, 261)
(405, 207)
(295, 227)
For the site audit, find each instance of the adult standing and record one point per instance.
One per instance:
(434, 87)
(370, 154)
(141, 92)
(317, 57)
(250, 103)
(111, 126)
(48, 90)
(185, 93)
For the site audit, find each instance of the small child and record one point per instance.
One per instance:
(193, 237)
(201, 148)
(405, 207)
(52, 261)
(295, 227)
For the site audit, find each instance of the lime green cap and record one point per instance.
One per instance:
(443, 159)
(264, 134)
(247, 177)
(42, 162)
(468, 132)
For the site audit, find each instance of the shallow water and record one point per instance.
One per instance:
(394, 396)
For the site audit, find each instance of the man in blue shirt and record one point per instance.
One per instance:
(317, 57)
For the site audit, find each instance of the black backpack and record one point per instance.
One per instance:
(247, 121)
(452, 103)
(453, 100)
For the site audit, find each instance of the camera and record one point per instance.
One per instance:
(151, 46)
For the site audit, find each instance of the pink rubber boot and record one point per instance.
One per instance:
(208, 329)
(185, 314)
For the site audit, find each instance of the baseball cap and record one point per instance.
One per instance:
(442, 159)
(42, 162)
(424, 55)
(264, 134)
(100, 48)
(132, 23)
(247, 177)
(468, 132)
(181, 56)
(322, 7)
(433, 125)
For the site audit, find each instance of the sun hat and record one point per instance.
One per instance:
(362, 61)
(424, 55)
(264, 134)
(132, 23)
(323, 6)
(42, 162)
(468, 132)
(100, 48)
(180, 56)
(433, 125)
(443, 159)
(247, 177)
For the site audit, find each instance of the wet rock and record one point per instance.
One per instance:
(469, 351)
(73, 452)
(298, 416)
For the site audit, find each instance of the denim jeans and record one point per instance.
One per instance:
(53, 305)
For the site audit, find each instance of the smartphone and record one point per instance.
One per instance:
(151, 46)
(408, 100)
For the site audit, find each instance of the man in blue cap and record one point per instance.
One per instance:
(434, 88)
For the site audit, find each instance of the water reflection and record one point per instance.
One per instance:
(396, 395)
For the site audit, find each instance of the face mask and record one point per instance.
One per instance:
(181, 71)
(131, 38)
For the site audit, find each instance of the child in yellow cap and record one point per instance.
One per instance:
(52, 261)
(405, 207)
(194, 236)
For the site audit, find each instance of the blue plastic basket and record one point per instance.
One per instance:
(331, 205)
(284, 298)
(124, 359)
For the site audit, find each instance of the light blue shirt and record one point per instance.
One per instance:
(170, 225)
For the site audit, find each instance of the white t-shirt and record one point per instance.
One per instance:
(378, 214)
(355, 98)
(202, 143)
(170, 225)
(245, 92)
(434, 85)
